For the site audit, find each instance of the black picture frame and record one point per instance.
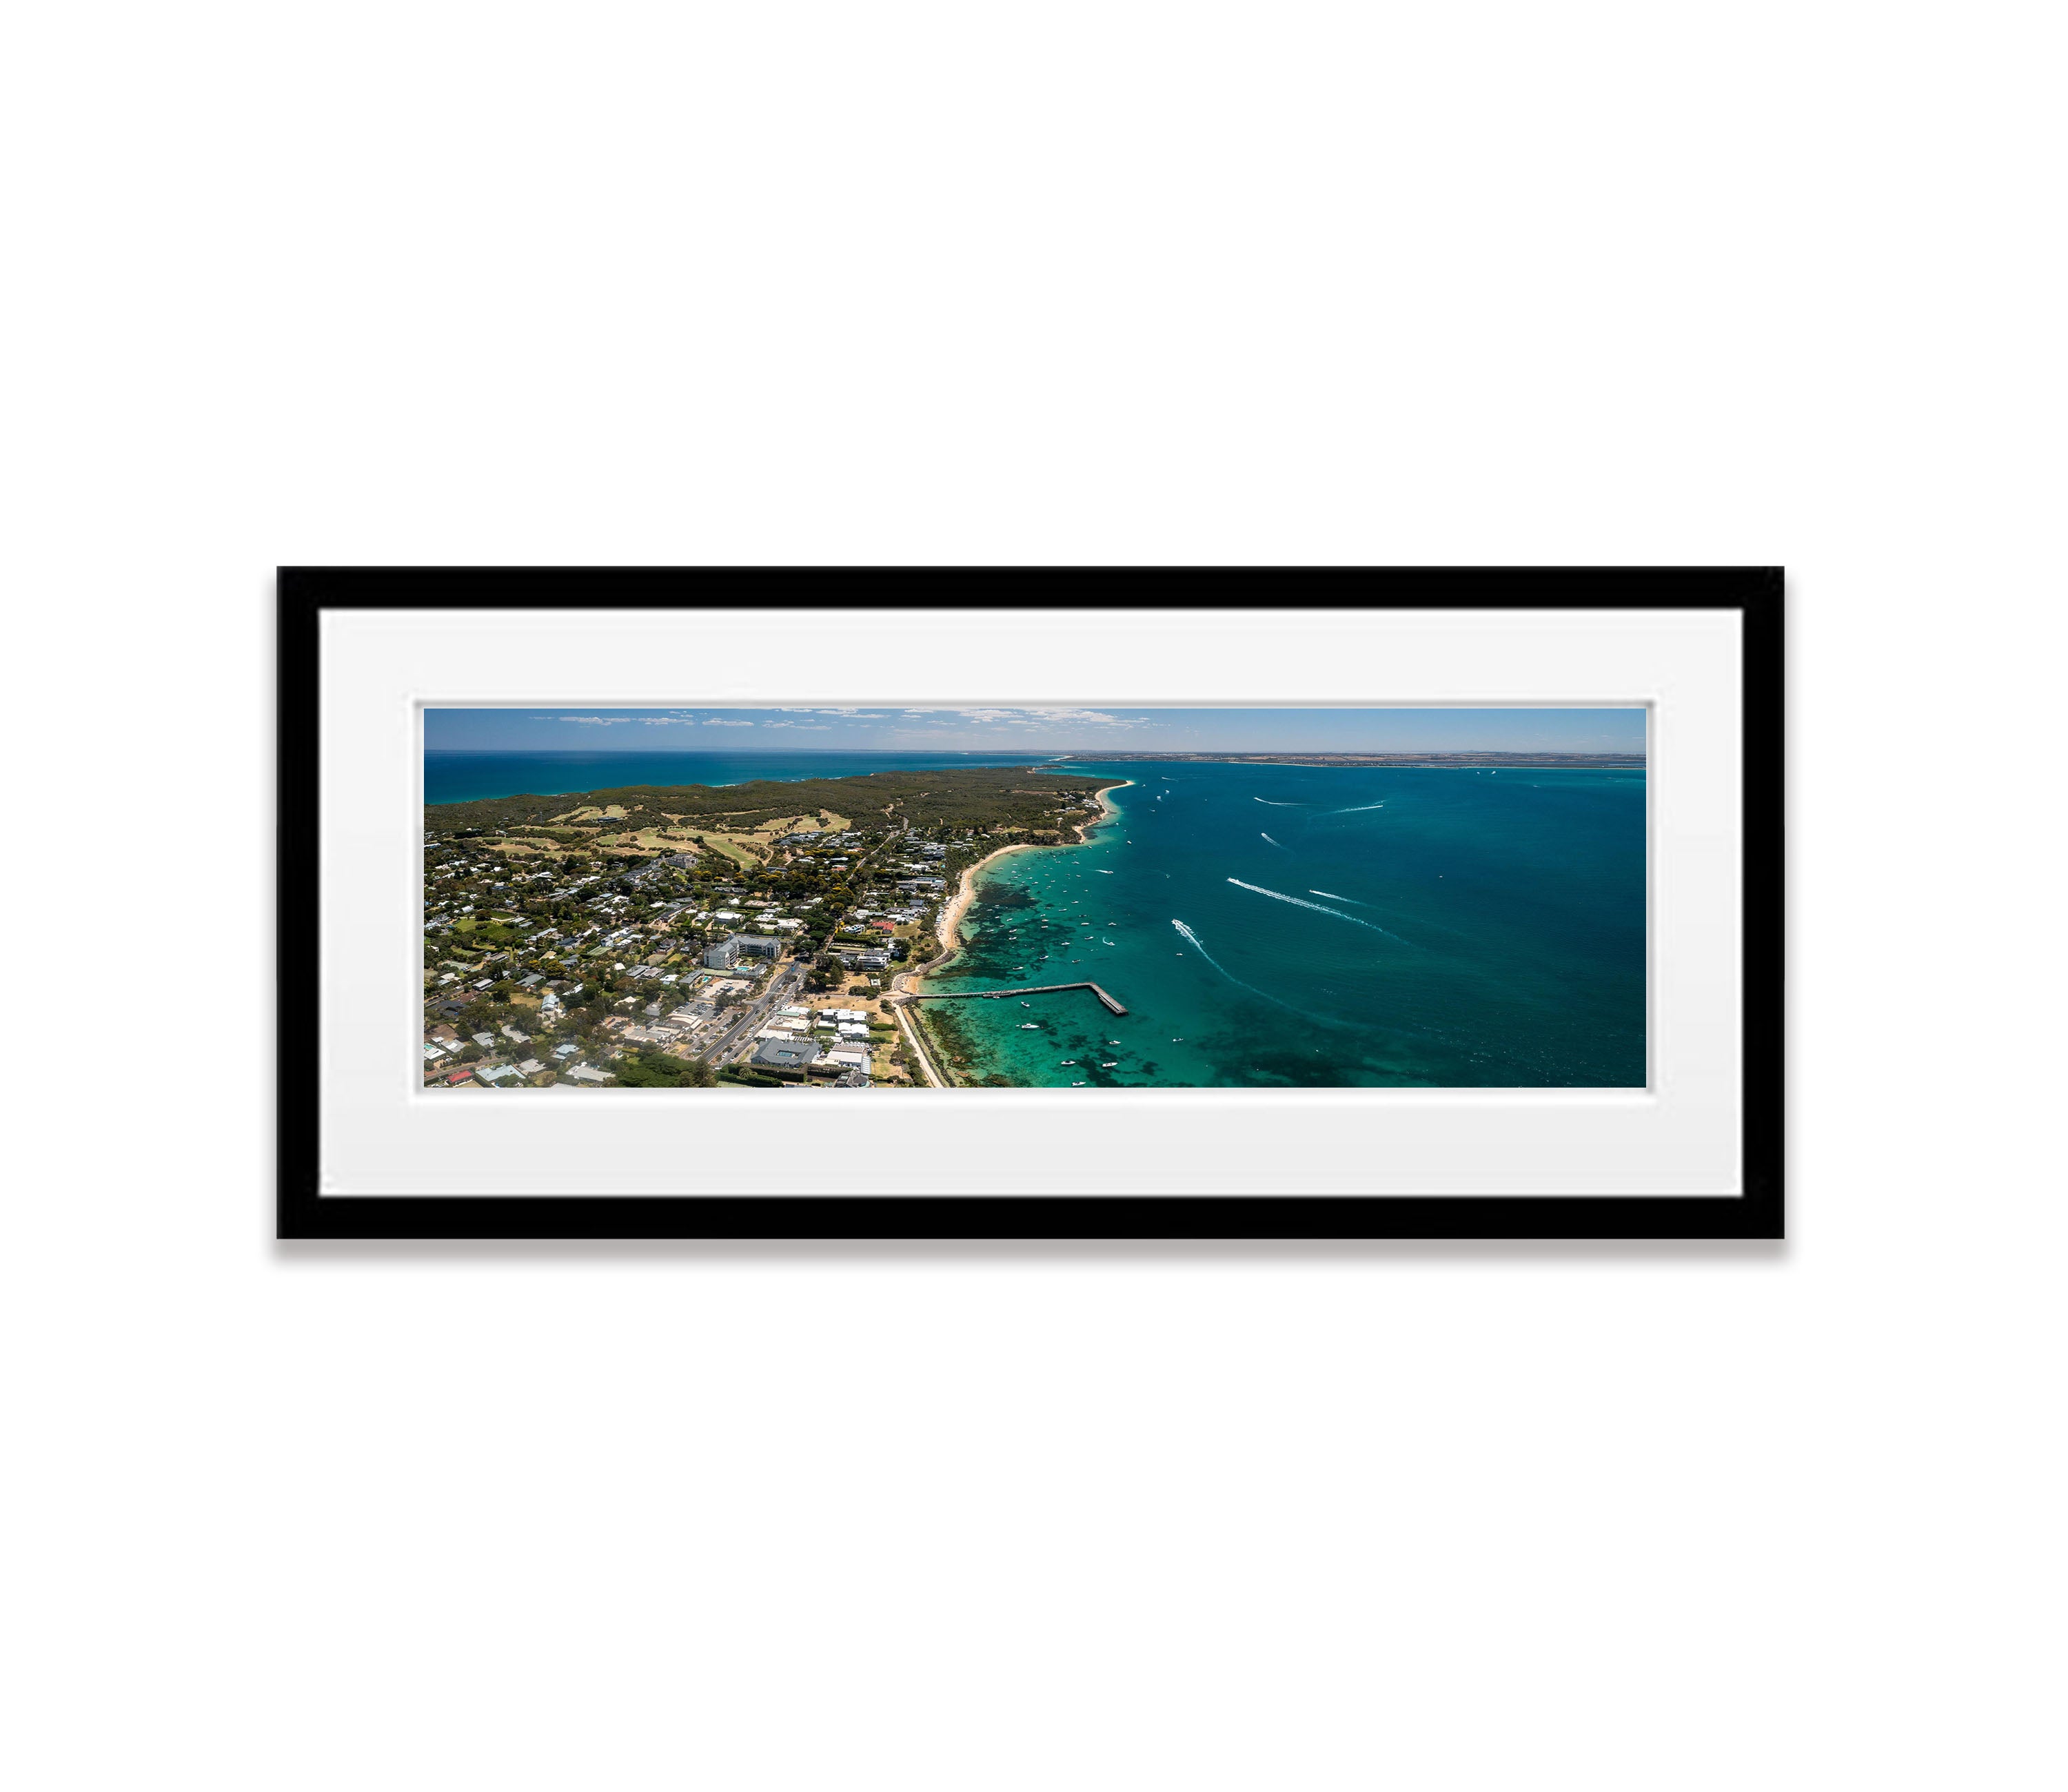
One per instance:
(306, 593)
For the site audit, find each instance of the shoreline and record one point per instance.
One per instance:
(1408, 762)
(951, 917)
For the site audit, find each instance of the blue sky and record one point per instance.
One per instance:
(898, 727)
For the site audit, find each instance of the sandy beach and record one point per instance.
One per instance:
(951, 917)
(947, 930)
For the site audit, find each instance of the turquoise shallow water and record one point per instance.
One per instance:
(1271, 926)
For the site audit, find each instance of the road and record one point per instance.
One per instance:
(782, 985)
(738, 1039)
(935, 1079)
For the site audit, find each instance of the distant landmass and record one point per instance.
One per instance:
(1538, 761)
(960, 796)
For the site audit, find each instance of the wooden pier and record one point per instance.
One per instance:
(999, 995)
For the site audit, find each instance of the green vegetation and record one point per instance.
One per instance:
(953, 1050)
(495, 915)
(656, 1070)
(988, 797)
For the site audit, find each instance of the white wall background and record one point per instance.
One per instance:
(1131, 282)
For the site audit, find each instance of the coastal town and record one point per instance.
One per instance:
(762, 936)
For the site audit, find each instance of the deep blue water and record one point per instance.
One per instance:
(1269, 925)
(476, 777)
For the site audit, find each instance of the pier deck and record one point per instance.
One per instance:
(999, 995)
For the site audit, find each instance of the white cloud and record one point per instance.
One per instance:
(1023, 717)
(719, 722)
(591, 721)
(1097, 718)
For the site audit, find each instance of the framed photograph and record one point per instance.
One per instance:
(1031, 904)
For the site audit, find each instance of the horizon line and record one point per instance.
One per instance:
(1075, 752)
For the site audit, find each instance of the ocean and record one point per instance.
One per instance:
(475, 777)
(1267, 926)
(1275, 926)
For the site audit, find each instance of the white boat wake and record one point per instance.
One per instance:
(1301, 902)
(1269, 804)
(1360, 808)
(1192, 939)
(1279, 844)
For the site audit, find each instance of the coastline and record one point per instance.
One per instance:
(949, 934)
(950, 922)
